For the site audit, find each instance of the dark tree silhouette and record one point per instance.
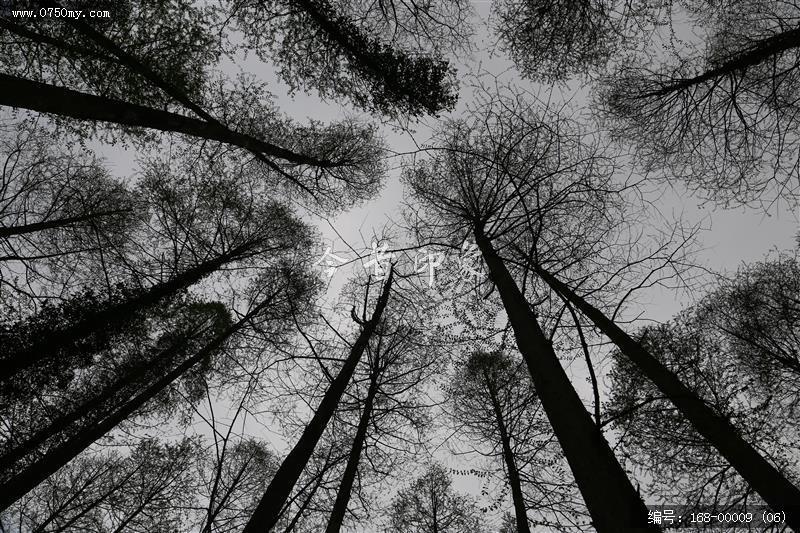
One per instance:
(59, 208)
(274, 300)
(113, 493)
(554, 40)
(489, 396)
(656, 437)
(268, 511)
(509, 179)
(388, 402)
(724, 117)
(317, 45)
(430, 505)
(772, 485)
(310, 158)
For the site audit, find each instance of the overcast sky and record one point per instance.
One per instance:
(733, 236)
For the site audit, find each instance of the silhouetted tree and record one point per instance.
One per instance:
(324, 45)
(508, 179)
(657, 438)
(769, 482)
(66, 68)
(268, 511)
(430, 505)
(723, 117)
(150, 488)
(553, 40)
(489, 397)
(273, 298)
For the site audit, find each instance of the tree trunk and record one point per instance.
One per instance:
(520, 511)
(269, 508)
(776, 490)
(350, 471)
(45, 98)
(85, 409)
(757, 53)
(111, 318)
(9, 231)
(611, 499)
(49, 463)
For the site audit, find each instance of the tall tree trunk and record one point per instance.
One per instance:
(776, 490)
(754, 55)
(350, 471)
(8, 231)
(50, 462)
(520, 511)
(112, 317)
(611, 499)
(269, 508)
(45, 98)
(86, 408)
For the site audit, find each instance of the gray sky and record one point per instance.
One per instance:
(733, 236)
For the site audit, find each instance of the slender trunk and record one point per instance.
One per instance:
(520, 511)
(611, 499)
(109, 319)
(269, 508)
(587, 356)
(49, 463)
(9, 231)
(350, 471)
(63, 422)
(776, 490)
(755, 54)
(45, 98)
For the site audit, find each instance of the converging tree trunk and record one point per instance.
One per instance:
(753, 55)
(520, 512)
(611, 499)
(776, 490)
(50, 462)
(27, 94)
(129, 380)
(113, 316)
(269, 508)
(350, 471)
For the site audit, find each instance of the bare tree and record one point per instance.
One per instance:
(509, 179)
(723, 117)
(430, 505)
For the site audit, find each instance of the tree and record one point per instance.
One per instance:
(58, 209)
(500, 413)
(269, 508)
(430, 505)
(309, 158)
(485, 390)
(554, 40)
(388, 400)
(771, 484)
(272, 300)
(657, 438)
(148, 488)
(724, 118)
(319, 44)
(205, 224)
(509, 179)
(758, 312)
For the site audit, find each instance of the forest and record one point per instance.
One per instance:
(399, 266)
